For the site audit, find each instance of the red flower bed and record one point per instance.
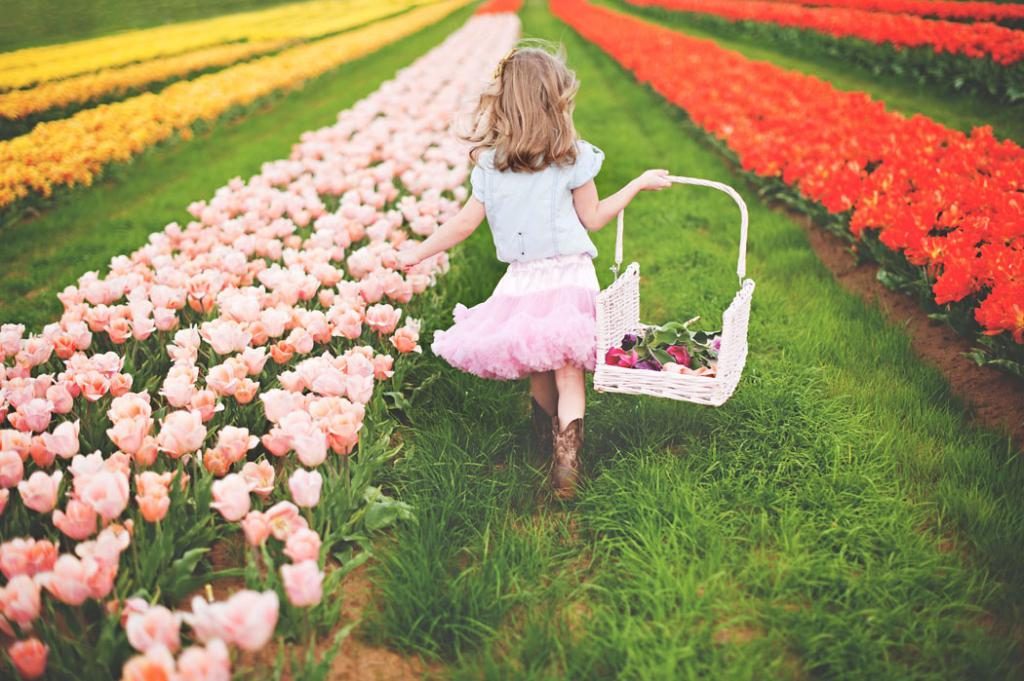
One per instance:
(942, 9)
(499, 6)
(951, 203)
(1003, 45)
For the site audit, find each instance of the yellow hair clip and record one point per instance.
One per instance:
(500, 68)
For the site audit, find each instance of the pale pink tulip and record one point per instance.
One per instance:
(284, 518)
(305, 487)
(27, 557)
(209, 663)
(231, 497)
(63, 442)
(156, 665)
(256, 528)
(19, 600)
(156, 626)
(106, 492)
(77, 521)
(129, 434)
(181, 432)
(303, 583)
(39, 492)
(260, 476)
(68, 581)
(303, 544)
(11, 468)
(235, 442)
(32, 416)
(382, 318)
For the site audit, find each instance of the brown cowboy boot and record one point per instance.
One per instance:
(543, 431)
(565, 470)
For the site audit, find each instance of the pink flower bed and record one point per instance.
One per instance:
(225, 371)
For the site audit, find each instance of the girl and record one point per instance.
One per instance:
(534, 181)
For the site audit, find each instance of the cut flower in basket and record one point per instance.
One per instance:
(673, 347)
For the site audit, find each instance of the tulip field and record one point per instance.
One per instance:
(227, 451)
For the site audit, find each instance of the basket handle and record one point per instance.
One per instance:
(741, 263)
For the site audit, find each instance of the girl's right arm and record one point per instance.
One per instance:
(453, 231)
(595, 213)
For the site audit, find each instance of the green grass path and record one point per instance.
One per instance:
(838, 518)
(900, 94)
(88, 227)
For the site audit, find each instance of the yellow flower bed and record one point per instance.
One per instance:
(71, 151)
(80, 89)
(296, 21)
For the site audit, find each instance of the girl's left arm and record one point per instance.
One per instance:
(452, 232)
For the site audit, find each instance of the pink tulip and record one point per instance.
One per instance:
(284, 518)
(11, 468)
(156, 665)
(231, 497)
(68, 581)
(39, 492)
(60, 397)
(235, 442)
(27, 557)
(303, 544)
(256, 528)
(29, 657)
(305, 487)
(63, 442)
(406, 340)
(32, 416)
(382, 367)
(130, 406)
(181, 432)
(209, 663)
(19, 600)
(77, 521)
(382, 318)
(153, 507)
(205, 402)
(156, 626)
(129, 434)
(260, 476)
(248, 619)
(303, 583)
(106, 492)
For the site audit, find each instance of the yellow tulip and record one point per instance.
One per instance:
(71, 151)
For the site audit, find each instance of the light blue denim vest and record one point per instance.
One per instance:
(531, 215)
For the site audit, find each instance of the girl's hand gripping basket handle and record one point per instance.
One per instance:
(741, 264)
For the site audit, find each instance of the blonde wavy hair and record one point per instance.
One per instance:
(525, 115)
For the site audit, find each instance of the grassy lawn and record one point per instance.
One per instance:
(88, 227)
(28, 23)
(838, 518)
(900, 94)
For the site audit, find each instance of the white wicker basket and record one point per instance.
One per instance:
(618, 313)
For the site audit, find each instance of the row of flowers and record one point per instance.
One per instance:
(220, 382)
(978, 57)
(934, 205)
(303, 20)
(72, 151)
(499, 6)
(966, 10)
(72, 93)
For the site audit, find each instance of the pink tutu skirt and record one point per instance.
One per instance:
(540, 317)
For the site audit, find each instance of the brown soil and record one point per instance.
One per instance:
(358, 660)
(995, 398)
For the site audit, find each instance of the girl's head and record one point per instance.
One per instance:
(526, 113)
